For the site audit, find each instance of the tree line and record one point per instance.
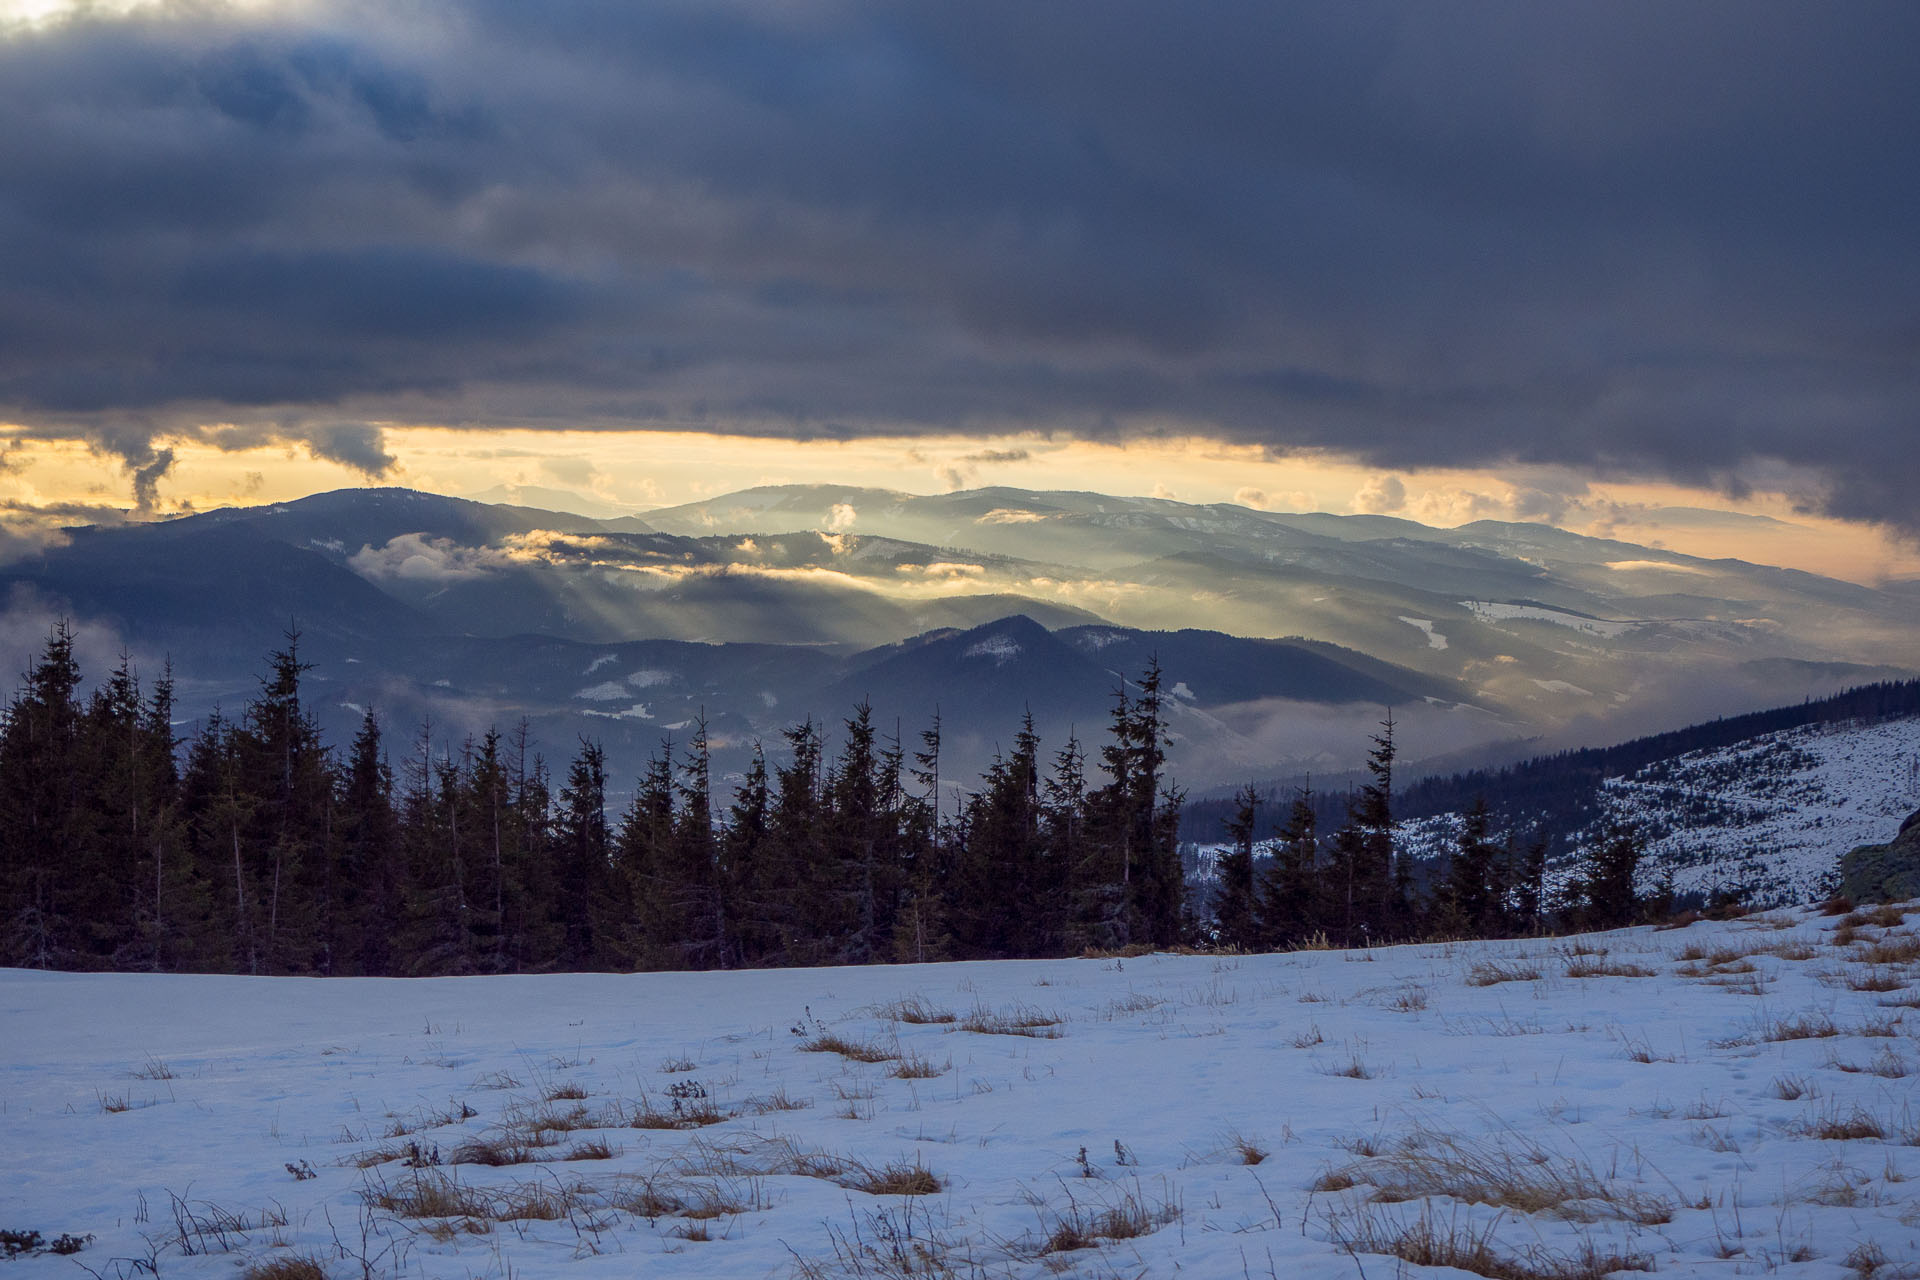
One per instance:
(252, 846)
(1352, 886)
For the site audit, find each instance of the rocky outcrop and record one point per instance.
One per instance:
(1885, 872)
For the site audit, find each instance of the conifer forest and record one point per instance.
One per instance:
(253, 846)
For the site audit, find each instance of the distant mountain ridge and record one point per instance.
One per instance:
(799, 600)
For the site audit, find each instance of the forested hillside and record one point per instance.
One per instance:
(255, 847)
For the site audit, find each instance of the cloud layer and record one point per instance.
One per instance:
(1667, 240)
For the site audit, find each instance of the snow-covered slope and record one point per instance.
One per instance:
(1773, 815)
(1769, 817)
(1723, 1100)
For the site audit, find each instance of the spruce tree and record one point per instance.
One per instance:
(746, 848)
(533, 927)
(581, 855)
(1233, 895)
(1606, 893)
(791, 873)
(40, 807)
(1471, 898)
(287, 773)
(921, 930)
(1291, 900)
(1529, 884)
(701, 900)
(638, 913)
(369, 904)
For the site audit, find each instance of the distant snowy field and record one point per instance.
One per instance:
(1744, 1107)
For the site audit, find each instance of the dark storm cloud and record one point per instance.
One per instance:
(1670, 240)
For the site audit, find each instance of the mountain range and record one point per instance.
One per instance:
(1281, 637)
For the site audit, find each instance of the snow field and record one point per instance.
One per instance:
(1731, 1098)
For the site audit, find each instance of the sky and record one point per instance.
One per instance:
(1604, 265)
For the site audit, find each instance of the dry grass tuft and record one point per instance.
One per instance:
(699, 1201)
(1361, 1145)
(1869, 1261)
(1351, 1069)
(1792, 1088)
(918, 1011)
(1835, 1125)
(914, 1066)
(1510, 1172)
(894, 1180)
(549, 1120)
(1014, 1020)
(1428, 1242)
(429, 1195)
(565, 1093)
(1899, 948)
(1712, 958)
(1487, 973)
(1249, 1151)
(1876, 979)
(778, 1100)
(154, 1069)
(1601, 967)
(497, 1150)
(1085, 1226)
(1334, 1180)
(858, 1050)
(1803, 1026)
(299, 1266)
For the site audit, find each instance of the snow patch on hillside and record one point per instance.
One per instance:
(638, 711)
(1434, 639)
(605, 691)
(1002, 649)
(1094, 641)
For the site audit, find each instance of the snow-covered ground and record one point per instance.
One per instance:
(1720, 1100)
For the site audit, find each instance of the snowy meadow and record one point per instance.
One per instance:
(1731, 1098)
